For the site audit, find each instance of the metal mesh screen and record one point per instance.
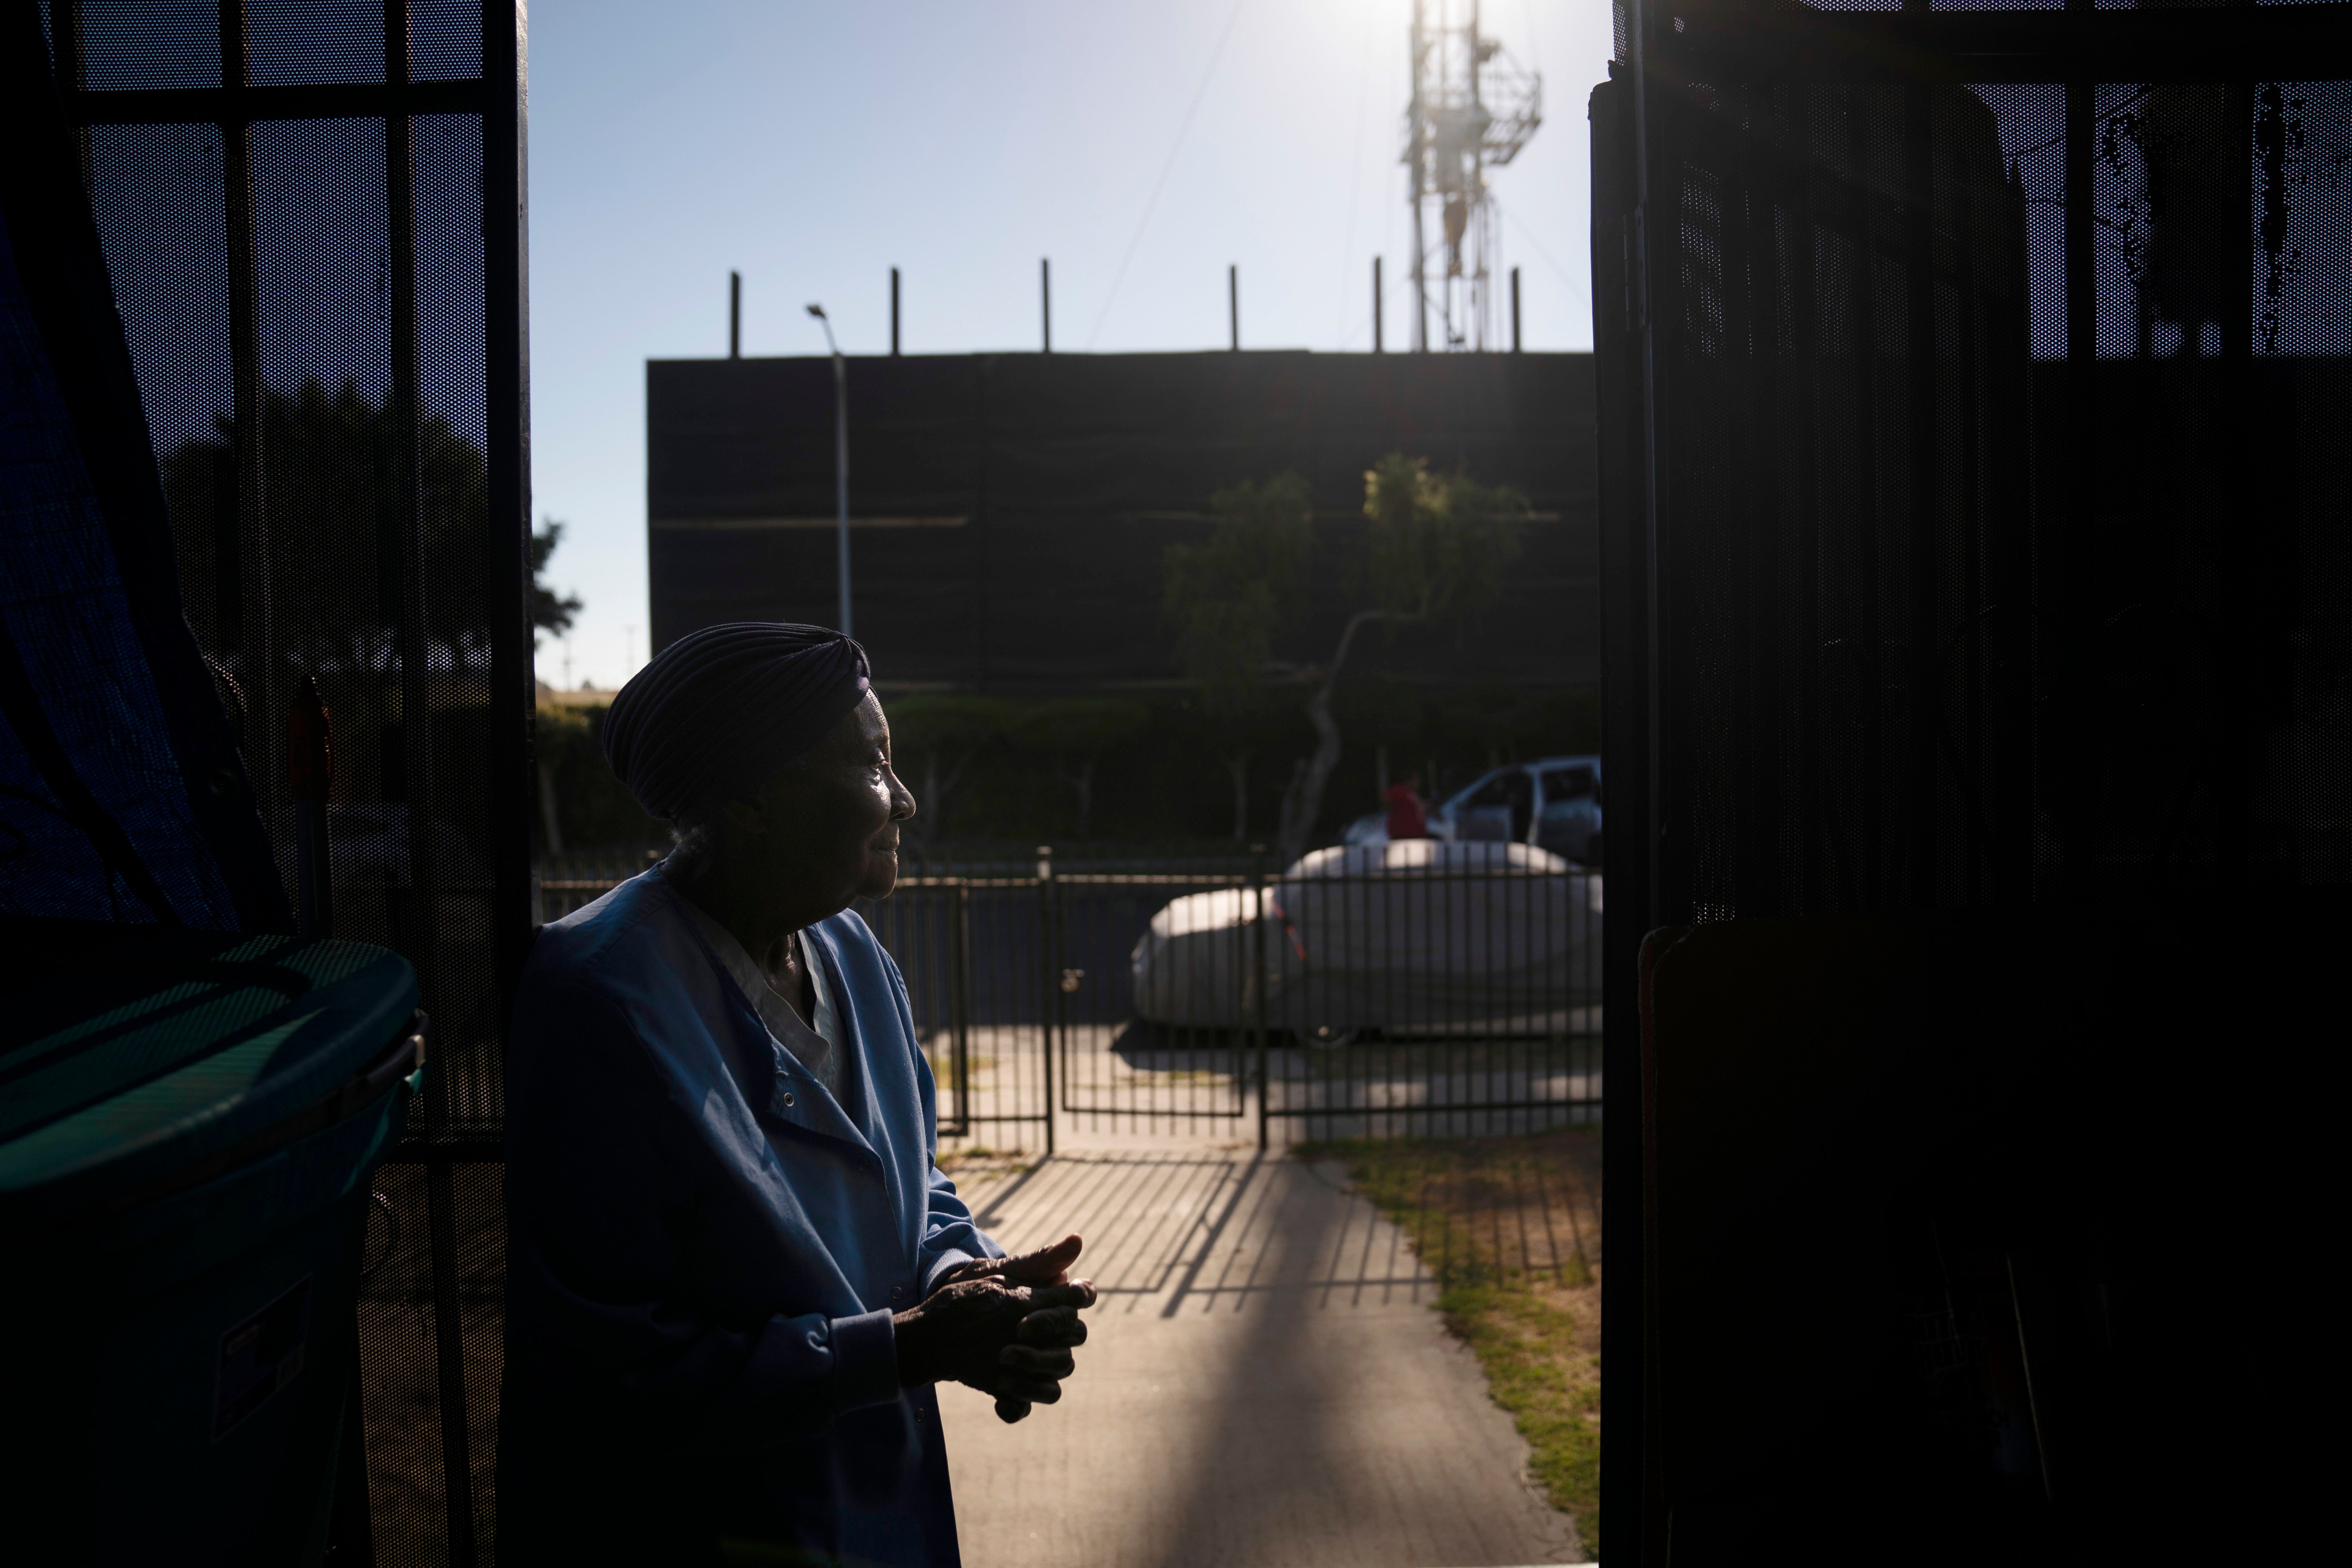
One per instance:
(152, 46)
(122, 799)
(314, 41)
(302, 238)
(1997, 547)
(1846, 315)
(1975, 537)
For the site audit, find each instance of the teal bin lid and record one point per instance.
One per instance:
(123, 1063)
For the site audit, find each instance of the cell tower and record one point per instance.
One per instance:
(1472, 109)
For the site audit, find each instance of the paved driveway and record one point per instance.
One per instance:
(1266, 1384)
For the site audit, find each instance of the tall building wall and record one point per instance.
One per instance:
(1008, 512)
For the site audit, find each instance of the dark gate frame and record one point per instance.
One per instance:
(1647, 616)
(499, 96)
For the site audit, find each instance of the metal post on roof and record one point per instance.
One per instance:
(1515, 310)
(840, 462)
(734, 315)
(1046, 299)
(1377, 345)
(1233, 304)
(894, 312)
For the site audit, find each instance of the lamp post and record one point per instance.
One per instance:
(840, 458)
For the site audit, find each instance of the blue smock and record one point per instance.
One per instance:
(704, 1249)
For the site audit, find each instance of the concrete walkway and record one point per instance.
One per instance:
(1265, 1384)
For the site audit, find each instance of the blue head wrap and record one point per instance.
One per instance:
(720, 710)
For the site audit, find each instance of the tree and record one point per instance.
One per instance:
(1227, 597)
(329, 465)
(1075, 732)
(1438, 547)
(549, 612)
(947, 732)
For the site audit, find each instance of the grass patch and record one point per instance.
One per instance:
(1408, 1058)
(971, 1166)
(1511, 1227)
(943, 1068)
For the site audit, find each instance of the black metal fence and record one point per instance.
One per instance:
(1426, 990)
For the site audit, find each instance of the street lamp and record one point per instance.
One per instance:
(840, 458)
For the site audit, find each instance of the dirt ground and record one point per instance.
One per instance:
(400, 1367)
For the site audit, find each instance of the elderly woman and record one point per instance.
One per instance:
(735, 1273)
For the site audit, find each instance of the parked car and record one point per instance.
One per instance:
(1554, 804)
(1424, 937)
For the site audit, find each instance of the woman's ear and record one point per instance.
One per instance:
(745, 818)
(778, 803)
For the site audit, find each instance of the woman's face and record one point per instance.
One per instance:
(831, 823)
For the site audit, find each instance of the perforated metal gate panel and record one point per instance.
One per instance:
(1976, 528)
(311, 215)
(1998, 529)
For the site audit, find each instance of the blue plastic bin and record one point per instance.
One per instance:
(188, 1129)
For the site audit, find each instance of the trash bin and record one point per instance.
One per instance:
(188, 1129)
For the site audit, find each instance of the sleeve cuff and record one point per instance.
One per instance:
(866, 1360)
(941, 1262)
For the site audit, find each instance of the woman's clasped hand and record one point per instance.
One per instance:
(1006, 1326)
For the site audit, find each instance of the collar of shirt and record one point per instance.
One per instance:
(821, 1055)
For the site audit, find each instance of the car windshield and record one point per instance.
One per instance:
(1506, 788)
(1568, 784)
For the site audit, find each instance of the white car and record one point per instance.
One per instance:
(1554, 804)
(1422, 936)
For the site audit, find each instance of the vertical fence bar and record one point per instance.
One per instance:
(257, 623)
(507, 394)
(1863, 620)
(1257, 986)
(416, 745)
(407, 508)
(351, 1534)
(2070, 570)
(448, 1336)
(1049, 942)
(959, 997)
(1923, 717)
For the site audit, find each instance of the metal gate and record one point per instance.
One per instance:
(1227, 997)
(1973, 379)
(1020, 988)
(1164, 999)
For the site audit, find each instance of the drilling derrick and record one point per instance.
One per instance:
(1472, 109)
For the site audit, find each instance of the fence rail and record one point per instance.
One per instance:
(1455, 991)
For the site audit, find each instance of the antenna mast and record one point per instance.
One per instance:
(1472, 109)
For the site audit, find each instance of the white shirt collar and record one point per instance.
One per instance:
(783, 1024)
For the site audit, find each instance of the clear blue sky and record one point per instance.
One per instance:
(814, 147)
